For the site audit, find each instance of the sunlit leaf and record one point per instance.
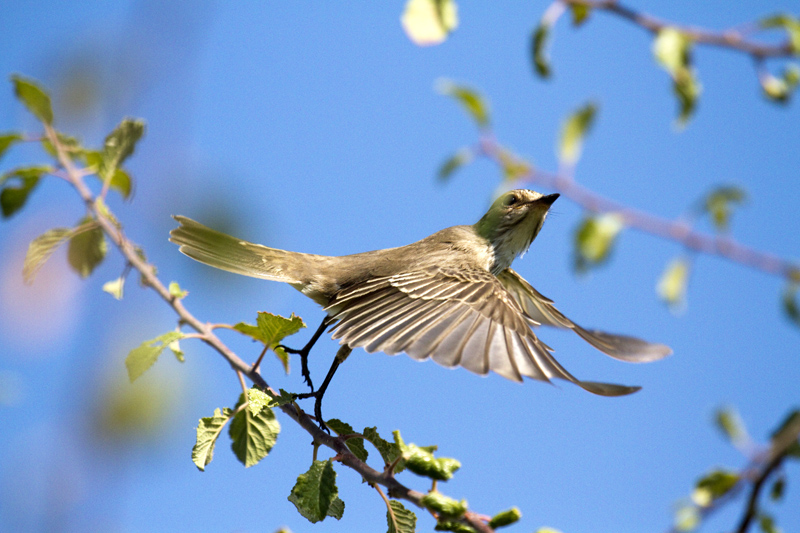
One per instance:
(780, 89)
(115, 287)
(208, 430)
(672, 285)
(315, 492)
(672, 49)
(120, 180)
(271, 330)
(687, 518)
(356, 445)
(429, 22)
(573, 132)
(505, 518)
(787, 22)
(176, 292)
(87, 247)
(713, 486)
(472, 102)
(30, 93)
(400, 519)
(40, 250)
(145, 355)
(594, 239)
(421, 461)
(438, 502)
(253, 436)
(119, 145)
(389, 450)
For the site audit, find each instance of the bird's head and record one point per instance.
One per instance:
(512, 223)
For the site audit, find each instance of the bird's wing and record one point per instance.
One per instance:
(456, 317)
(541, 310)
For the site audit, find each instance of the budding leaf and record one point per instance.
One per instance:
(730, 424)
(40, 250)
(315, 494)
(594, 239)
(580, 13)
(713, 486)
(141, 358)
(506, 518)
(472, 102)
(208, 430)
(672, 49)
(400, 519)
(429, 22)
(16, 185)
(176, 292)
(454, 526)
(115, 287)
(421, 461)
(271, 330)
(720, 202)
(87, 247)
(436, 501)
(34, 97)
(454, 162)
(253, 436)
(356, 445)
(671, 287)
(573, 131)
(7, 140)
(787, 22)
(389, 450)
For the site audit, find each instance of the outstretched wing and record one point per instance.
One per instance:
(541, 309)
(456, 317)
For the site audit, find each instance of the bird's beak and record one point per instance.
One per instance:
(548, 200)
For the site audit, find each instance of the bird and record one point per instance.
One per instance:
(451, 297)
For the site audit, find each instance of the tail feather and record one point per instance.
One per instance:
(225, 252)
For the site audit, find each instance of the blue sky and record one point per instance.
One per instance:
(317, 128)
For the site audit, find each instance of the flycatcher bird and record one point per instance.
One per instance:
(451, 297)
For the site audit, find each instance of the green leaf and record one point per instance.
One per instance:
(514, 167)
(713, 486)
(356, 445)
(429, 22)
(34, 97)
(787, 22)
(120, 180)
(672, 285)
(271, 330)
(780, 89)
(506, 518)
(455, 527)
(400, 519)
(40, 250)
(540, 40)
(282, 399)
(730, 424)
(175, 348)
(580, 13)
(472, 102)
(208, 430)
(87, 247)
(119, 145)
(7, 140)
(790, 305)
(115, 287)
(777, 490)
(253, 436)
(454, 162)
(687, 518)
(141, 358)
(257, 399)
(70, 144)
(672, 49)
(720, 202)
(767, 524)
(573, 131)
(594, 239)
(788, 431)
(176, 292)
(421, 461)
(438, 502)
(315, 492)
(13, 197)
(389, 451)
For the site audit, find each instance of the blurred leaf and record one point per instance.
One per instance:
(547, 530)
(672, 286)
(175, 348)
(438, 502)
(271, 330)
(40, 250)
(672, 49)
(13, 198)
(790, 305)
(7, 140)
(787, 432)
(315, 492)
(580, 13)
(540, 40)
(119, 145)
(176, 292)
(505, 518)
(730, 424)
(514, 167)
(454, 526)
(279, 400)
(355, 445)
(713, 486)
(208, 430)
(400, 519)
(389, 451)
(781, 89)
(253, 436)
(472, 102)
(115, 287)
(687, 518)
(454, 162)
(719, 204)
(787, 22)
(34, 97)
(141, 358)
(429, 22)
(421, 461)
(87, 247)
(120, 180)
(767, 524)
(594, 239)
(777, 490)
(573, 131)
(70, 144)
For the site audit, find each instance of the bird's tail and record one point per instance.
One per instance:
(225, 252)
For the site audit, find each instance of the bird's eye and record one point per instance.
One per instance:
(510, 200)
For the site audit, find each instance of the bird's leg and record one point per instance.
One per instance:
(341, 355)
(305, 350)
